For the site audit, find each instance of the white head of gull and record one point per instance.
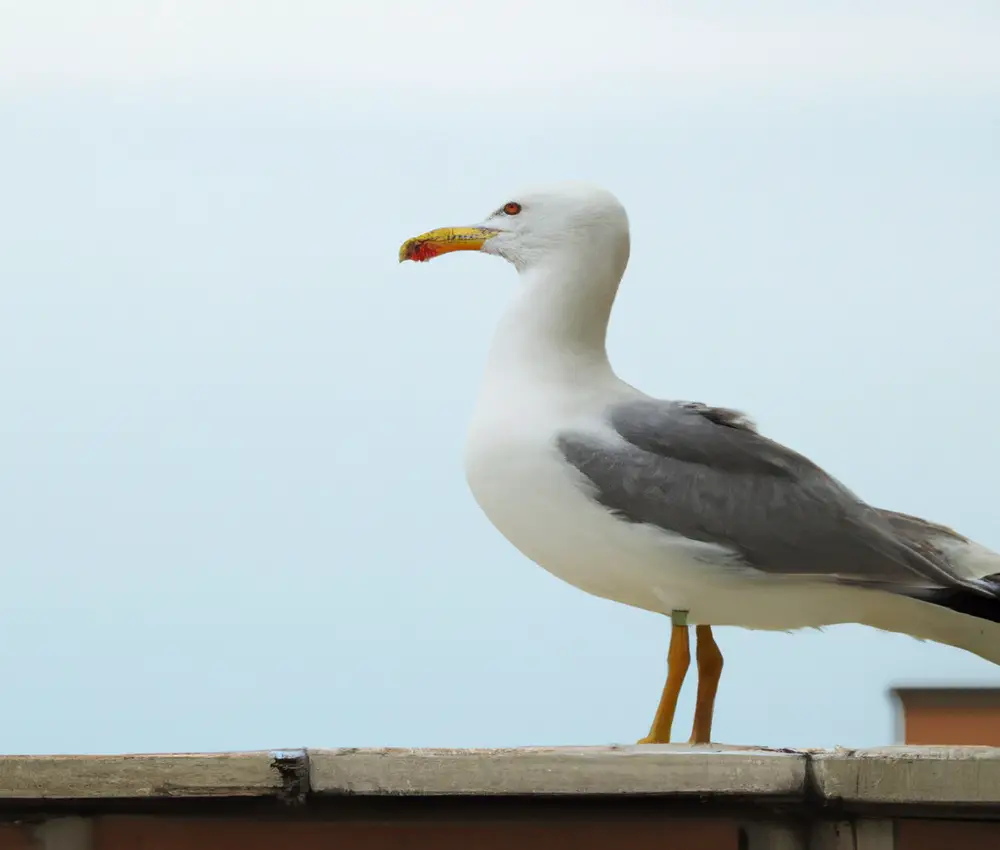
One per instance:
(671, 506)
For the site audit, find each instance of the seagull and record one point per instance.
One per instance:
(677, 507)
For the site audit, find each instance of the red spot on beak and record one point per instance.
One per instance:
(421, 252)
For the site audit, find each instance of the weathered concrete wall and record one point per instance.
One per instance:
(715, 798)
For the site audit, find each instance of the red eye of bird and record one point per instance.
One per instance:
(512, 208)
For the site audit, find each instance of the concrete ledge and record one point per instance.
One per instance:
(911, 780)
(967, 776)
(667, 769)
(144, 776)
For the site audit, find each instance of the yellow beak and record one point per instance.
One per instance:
(443, 241)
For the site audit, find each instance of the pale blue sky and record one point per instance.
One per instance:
(234, 513)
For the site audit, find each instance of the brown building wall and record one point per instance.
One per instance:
(946, 835)
(117, 832)
(164, 833)
(142, 834)
(949, 716)
(960, 725)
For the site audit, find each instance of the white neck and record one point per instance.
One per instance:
(556, 325)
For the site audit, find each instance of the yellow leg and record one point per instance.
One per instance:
(678, 659)
(709, 672)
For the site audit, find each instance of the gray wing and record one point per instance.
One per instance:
(920, 531)
(706, 473)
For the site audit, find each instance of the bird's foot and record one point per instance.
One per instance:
(650, 739)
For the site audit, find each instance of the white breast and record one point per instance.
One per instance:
(544, 507)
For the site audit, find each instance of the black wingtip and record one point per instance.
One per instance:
(981, 602)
